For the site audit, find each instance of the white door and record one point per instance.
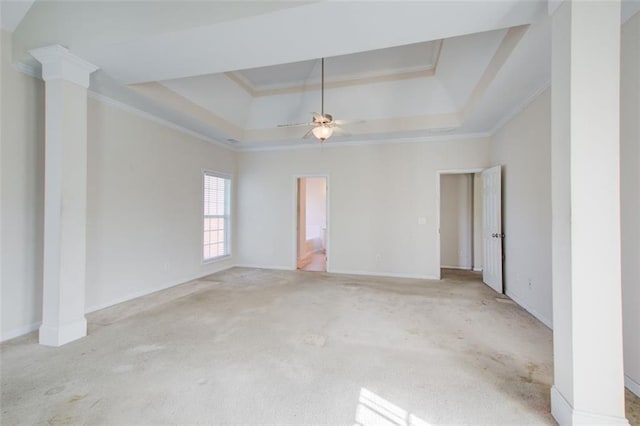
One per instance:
(492, 228)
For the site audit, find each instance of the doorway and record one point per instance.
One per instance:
(460, 221)
(311, 253)
(473, 209)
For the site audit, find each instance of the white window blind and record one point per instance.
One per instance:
(216, 216)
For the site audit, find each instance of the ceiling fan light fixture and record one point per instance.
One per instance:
(322, 132)
(323, 125)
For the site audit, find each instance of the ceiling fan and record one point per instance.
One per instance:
(323, 125)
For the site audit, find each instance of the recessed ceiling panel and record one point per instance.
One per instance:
(363, 65)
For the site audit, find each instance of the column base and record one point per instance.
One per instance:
(565, 414)
(58, 335)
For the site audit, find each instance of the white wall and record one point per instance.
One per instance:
(456, 206)
(522, 146)
(22, 197)
(144, 202)
(144, 205)
(377, 196)
(630, 199)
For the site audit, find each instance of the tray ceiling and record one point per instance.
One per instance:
(236, 70)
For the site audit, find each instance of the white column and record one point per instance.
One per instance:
(67, 80)
(587, 317)
(630, 199)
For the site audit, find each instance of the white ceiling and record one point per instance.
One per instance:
(362, 65)
(237, 69)
(87, 23)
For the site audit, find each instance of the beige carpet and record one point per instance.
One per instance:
(257, 346)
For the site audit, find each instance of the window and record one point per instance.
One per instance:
(215, 242)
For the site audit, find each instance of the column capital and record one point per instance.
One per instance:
(60, 64)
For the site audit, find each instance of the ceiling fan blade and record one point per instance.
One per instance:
(347, 122)
(337, 131)
(295, 125)
(308, 134)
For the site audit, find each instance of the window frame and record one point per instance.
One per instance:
(226, 217)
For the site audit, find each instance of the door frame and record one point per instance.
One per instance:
(439, 173)
(295, 238)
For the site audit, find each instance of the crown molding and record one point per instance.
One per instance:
(407, 73)
(32, 70)
(257, 93)
(511, 114)
(501, 55)
(168, 97)
(367, 142)
(151, 117)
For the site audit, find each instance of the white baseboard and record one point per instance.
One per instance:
(546, 321)
(150, 290)
(632, 385)
(130, 296)
(383, 274)
(12, 334)
(56, 335)
(277, 268)
(464, 268)
(477, 269)
(565, 414)
(561, 410)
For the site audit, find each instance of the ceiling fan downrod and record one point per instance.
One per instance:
(322, 89)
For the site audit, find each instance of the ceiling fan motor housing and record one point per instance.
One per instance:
(322, 119)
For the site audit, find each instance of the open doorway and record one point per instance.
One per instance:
(312, 223)
(461, 244)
